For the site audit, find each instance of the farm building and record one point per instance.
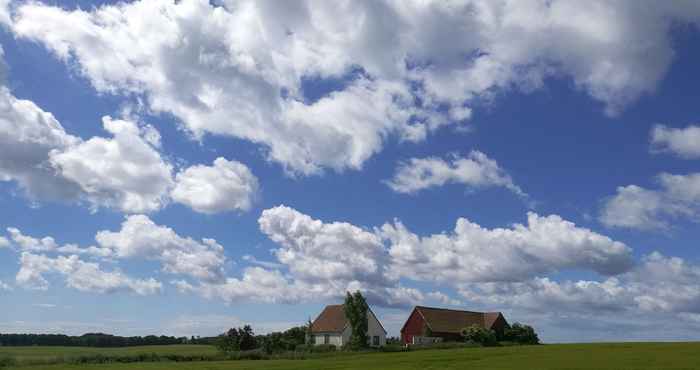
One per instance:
(332, 327)
(431, 325)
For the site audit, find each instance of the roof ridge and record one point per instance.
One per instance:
(451, 309)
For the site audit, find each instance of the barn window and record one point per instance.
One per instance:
(326, 339)
(375, 340)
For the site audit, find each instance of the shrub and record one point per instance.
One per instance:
(255, 354)
(479, 335)
(443, 345)
(7, 361)
(321, 348)
(393, 348)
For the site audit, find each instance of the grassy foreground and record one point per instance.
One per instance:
(23, 354)
(620, 356)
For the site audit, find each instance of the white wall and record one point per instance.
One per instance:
(374, 328)
(333, 338)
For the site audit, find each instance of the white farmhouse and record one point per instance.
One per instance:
(332, 327)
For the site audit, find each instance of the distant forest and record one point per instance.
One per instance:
(95, 340)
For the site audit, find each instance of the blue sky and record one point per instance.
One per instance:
(349, 151)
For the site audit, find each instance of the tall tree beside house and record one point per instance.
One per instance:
(309, 333)
(356, 312)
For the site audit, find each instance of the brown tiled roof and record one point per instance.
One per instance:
(441, 320)
(490, 318)
(331, 320)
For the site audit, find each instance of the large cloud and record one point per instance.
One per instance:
(225, 186)
(683, 142)
(140, 237)
(315, 250)
(474, 171)
(473, 253)
(238, 69)
(658, 284)
(638, 208)
(80, 275)
(326, 259)
(125, 172)
(511, 269)
(27, 135)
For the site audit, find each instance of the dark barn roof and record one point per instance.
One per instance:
(442, 320)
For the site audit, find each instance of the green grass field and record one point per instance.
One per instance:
(620, 356)
(24, 354)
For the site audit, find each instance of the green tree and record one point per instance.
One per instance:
(309, 337)
(247, 341)
(356, 308)
(523, 334)
(237, 339)
(479, 335)
(229, 341)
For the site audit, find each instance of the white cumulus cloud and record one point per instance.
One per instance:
(658, 284)
(683, 142)
(80, 275)
(474, 171)
(238, 69)
(678, 196)
(315, 250)
(125, 172)
(28, 135)
(224, 186)
(140, 237)
(473, 253)
(29, 243)
(325, 259)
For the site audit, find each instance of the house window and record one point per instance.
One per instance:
(375, 340)
(326, 339)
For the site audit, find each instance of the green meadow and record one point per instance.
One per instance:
(613, 356)
(49, 353)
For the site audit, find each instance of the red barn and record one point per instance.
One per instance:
(427, 324)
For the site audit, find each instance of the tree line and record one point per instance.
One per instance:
(244, 339)
(87, 340)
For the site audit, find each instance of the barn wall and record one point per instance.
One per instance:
(414, 327)
(499, 325)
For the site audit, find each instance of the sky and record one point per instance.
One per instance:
(184, 167)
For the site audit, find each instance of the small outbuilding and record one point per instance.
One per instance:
(430, 325)
(332, 327)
